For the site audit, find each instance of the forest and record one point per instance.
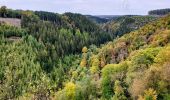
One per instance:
(71, 56)
(159, 12)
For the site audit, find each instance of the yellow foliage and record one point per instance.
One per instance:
(93, 69)
(150, 94)
(74, 74)
(163, 56)
(83, 62)
(70, 90)
(82, 74)
(95, 61)
(118, 88)
(95, 65)
(84, 50)
(102, 62)
(161, 38)
(26, 96)
(141, 98)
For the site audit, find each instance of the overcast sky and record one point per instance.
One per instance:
(93, 7)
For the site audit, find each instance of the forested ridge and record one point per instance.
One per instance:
(69, 57)
(159, 12)
(125, 24)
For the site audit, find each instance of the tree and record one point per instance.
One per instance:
(111, 73)
(150, 94)
(84, 50)
(119, 92)
(28, 18)
(95, 65)
(70, 90)
(83, 62)
(140, 61)
(21, 70)
(137, 88)
(3, 11)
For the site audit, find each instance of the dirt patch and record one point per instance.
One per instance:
(11, 21)
(14, 38)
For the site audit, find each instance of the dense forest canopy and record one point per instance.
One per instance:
(70, 57)
(159, 12)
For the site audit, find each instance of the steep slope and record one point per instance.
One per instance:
(151, 35)
(134, 66)
(75, 28)
(126, 24)
(68, 20)
(62, 35)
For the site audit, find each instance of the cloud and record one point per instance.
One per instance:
(95, 7)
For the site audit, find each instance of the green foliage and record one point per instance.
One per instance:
(142, 59)
(28, 16)
(111, 73)
(49, 16)
(9, 31)
(3, 11)
(95, 65)
(9, 13)
(62, 38)
(20, 71)
(119, 92)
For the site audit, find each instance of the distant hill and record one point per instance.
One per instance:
(159, 12)
(109, 17)
(126, 24)
(100, 19)
(97, 19)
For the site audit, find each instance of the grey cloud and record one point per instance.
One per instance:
(95, 7)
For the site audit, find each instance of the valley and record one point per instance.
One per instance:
(70, 56)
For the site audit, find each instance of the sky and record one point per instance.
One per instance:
(89, 7)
